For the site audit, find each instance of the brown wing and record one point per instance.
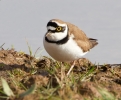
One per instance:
(80, 37)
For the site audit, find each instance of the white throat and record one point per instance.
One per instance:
(57, 36)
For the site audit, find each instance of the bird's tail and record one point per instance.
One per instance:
(93, 42)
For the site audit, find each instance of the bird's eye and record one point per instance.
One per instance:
(59, 28)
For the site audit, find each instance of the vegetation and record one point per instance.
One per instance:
(23, 77)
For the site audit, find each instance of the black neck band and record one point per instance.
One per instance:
(63, 41)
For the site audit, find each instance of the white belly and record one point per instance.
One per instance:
(66, 52)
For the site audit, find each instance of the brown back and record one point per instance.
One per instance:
(80, 37)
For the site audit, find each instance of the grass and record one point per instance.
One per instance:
(46, 79)
(2, 45)
(59, 86)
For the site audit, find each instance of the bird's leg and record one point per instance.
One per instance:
(72, 66)
(62, 71)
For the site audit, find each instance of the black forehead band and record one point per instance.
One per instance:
(52, 24)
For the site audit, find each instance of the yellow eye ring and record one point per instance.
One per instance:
(59, 28)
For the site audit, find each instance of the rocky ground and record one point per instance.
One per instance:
(86, 82)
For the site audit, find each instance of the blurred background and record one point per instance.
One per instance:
(25, 20)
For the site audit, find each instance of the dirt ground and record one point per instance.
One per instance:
(17, 67)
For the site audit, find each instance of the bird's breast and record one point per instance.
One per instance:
(64, 52)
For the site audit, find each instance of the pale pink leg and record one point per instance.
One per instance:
(72, 66)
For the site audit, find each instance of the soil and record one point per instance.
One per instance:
(23, 68)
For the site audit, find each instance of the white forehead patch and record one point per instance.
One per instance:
(50, 28)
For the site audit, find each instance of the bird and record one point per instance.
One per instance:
(65, 42)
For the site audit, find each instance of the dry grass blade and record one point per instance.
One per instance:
(30, 51)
